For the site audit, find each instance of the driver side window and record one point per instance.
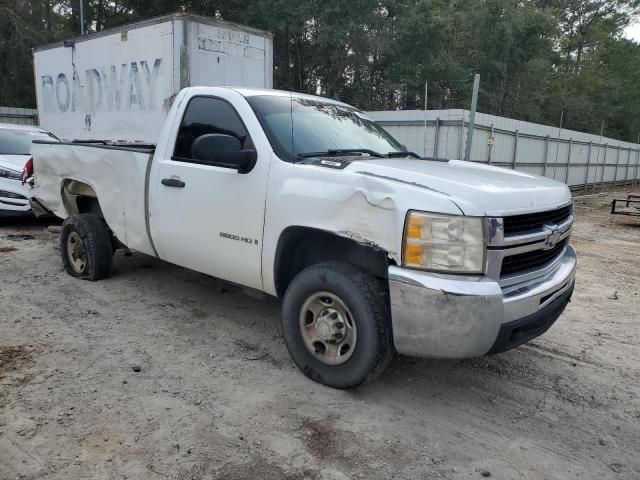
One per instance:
(206, 115)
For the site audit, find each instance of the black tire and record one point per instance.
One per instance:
(367, 298)
(95, 240)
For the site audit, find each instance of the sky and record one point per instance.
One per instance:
(633, 31)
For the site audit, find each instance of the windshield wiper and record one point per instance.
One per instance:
(402, 154)
(336, 152)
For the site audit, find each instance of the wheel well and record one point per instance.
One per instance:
(79, 197)
(301, 247)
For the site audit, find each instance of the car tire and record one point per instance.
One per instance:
(86, 247)
(355, 306)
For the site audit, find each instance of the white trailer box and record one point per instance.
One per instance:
(118, 84)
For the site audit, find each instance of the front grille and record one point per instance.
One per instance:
(6, 194)
(535, 221)
(530, 260)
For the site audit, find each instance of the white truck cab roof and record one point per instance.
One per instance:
(253, 92)
(12, 126)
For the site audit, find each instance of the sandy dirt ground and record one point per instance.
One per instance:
(217, 397)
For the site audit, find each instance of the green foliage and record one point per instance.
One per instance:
(538, 59)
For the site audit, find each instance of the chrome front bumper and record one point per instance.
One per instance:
(447, 316)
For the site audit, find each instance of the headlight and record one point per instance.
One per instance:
(13, 175)
(445, 243)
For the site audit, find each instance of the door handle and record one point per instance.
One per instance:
(173, 182)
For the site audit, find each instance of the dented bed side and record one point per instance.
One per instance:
(116, 175)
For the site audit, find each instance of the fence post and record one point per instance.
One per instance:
(546, 157)
(436, 141)
(626, 168)
(635, 173)
(426, 91)
(615, 175)
(586, 175)
(566, 175)
(461, 137)
(490, 149)
(604, 164)
(555, 163)
(515, 151)
(595, 175)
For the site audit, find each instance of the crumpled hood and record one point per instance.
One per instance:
(475, 188)
(14, 162)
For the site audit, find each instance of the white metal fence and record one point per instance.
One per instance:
(575, 158)
(21, 116)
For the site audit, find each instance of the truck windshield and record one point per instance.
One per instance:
(18, 142)
(300, 127)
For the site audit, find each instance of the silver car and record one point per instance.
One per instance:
(15, 145)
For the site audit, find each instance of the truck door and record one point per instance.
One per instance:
(208, 218)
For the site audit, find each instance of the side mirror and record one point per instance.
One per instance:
(223, 151)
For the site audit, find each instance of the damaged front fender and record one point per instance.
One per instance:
(367, 209)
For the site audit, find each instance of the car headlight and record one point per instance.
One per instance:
(12, 174)
(444, 243)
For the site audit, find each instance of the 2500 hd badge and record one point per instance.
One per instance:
(231, 236)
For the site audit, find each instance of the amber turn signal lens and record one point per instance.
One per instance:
(414, 227)
(413, 254)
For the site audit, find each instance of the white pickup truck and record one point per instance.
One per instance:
(372, 249)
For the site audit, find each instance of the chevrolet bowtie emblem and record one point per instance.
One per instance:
(553, 239)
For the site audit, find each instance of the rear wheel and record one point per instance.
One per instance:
(336, 324)
(86, 247)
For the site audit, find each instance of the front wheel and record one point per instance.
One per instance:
(86, 248)
(336, 324)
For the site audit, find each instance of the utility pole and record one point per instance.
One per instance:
(425, 116)
(472, 116)
(81, 17)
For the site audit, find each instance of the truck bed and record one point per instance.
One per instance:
(115, 172)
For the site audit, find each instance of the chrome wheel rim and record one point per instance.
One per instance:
(328, 329)
(76, 252)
